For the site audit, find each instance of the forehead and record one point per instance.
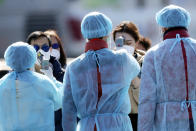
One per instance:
(53, 39)
(125, 35)
(41, 41)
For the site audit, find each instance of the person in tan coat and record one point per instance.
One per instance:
(126, 36)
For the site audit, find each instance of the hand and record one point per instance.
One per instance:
(45, 55)
(48, 72)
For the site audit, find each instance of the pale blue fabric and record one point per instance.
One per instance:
(20, 56)
(162, 100)
(95, 25)
(28, 99)
(81, 91)
(173, 16)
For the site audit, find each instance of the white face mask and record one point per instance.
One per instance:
(55, 53)
(129, 49)
(46, 55)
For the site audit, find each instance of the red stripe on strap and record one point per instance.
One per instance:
(99, 85)
(95, 128)
(186, 75)
(99, 90)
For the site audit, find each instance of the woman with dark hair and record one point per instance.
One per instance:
(41, 44)
(57, 56)
(44, 44)
(57, 44)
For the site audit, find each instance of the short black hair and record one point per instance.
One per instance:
(36, 35)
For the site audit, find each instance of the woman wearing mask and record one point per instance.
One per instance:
(28, 99)
(57, 53)
(41, 44)
(57, 57)
(47, 65)
(126, 36)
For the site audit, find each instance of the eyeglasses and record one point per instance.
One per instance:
(44, 47)
(55, 46)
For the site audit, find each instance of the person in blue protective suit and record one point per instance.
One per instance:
(96, 83)
(167, 94)
(28, 99)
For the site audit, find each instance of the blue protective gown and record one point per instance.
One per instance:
(110, 112)
(162, 102)
(28, 101)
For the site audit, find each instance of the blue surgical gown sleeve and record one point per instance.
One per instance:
(55, 91)
(147, 97)
(59, 86)
(57, 98)
(69, 112)
(132, 67)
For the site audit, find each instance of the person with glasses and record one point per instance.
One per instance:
(41, 44)
(48, 64)
(126, 36)
(57, 53)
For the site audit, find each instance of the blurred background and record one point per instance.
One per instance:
(18, 18)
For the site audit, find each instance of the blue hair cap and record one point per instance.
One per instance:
(20, 56)
(95, 25)
(173, 16)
